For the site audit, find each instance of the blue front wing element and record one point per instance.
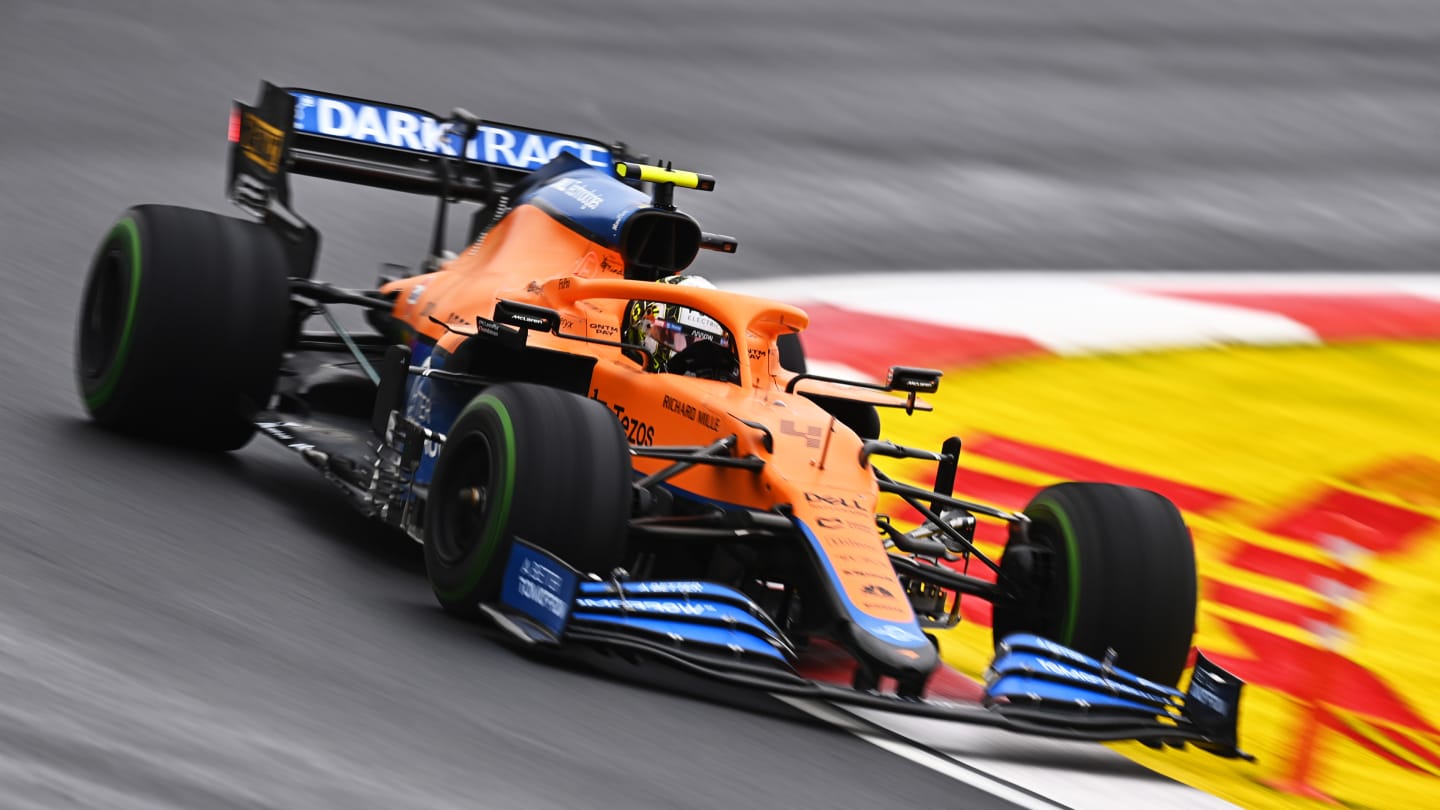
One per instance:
(1036, 669)
(681, 616)
(1059, 653)
(1034, 686)
(684, 633)
(703, 615)
(1030, 672)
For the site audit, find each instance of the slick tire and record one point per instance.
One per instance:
(182, 326)
(532, 462)
(1105, 567)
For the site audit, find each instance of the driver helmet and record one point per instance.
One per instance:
(665, 330)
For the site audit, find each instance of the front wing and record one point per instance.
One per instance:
(1033, 686)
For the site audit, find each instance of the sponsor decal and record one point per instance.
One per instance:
(527, 320)
(691, 412)
(276, 430)
(836, 501)
(1207, 697)
(417, 132)
(637, 431)
(539, 586)
(811, 435)
(841, 545)
(537, 583)
(261, 143)
(666, 587)
(863, 571)
(758, 354)
(679, 406)
(415, 293)
(896, 633)
(699, 320)
(837, 523)
(586, 197)
(421, 401)
(1080, 676)
(667, 607)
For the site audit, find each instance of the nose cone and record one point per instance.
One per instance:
(909, 662)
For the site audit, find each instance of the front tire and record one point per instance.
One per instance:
(522, 460)
(182, 326)
(1106, 567)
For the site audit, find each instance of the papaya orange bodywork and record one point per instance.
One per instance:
(813, 463)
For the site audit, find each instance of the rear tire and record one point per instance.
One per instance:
(182, 326)
(522, 460)
(1106, 567)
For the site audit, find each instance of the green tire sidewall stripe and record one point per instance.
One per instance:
(500, 513)
(129, 232)
(1072, 568)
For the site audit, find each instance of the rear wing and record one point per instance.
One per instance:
(295, 131)
(456, 158)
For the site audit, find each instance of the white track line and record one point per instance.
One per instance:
(1029, 771)
(939, 763)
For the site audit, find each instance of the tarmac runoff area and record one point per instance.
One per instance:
(1294, 421)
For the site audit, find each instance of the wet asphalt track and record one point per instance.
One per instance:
(188, 631)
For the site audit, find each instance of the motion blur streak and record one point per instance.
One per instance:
(193, 632)
(1311, 496)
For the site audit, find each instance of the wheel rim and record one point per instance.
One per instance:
(465, 501)
(105, 311)
(1043, 603)
(108, 313)
(1062, 582)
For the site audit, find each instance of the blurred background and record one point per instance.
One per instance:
(1033, 133)
(184, 631)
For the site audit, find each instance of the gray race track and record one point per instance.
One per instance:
(186, 631)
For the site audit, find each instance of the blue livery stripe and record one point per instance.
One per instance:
(904, 635)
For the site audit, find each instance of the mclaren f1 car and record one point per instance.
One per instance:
(596, 458)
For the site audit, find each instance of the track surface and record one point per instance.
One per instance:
(187, 631)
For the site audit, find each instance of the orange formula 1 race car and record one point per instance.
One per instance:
(602, 455)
